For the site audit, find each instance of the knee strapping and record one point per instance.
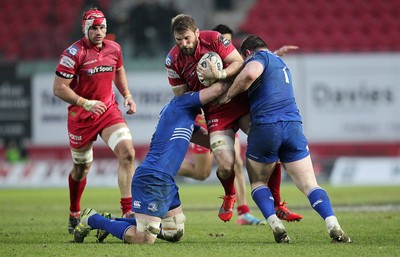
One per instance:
(149, 227)
(173, 228)
(221, 142)
(82, 157)
(119, 135)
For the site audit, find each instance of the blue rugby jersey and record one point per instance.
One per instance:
(174, 130)
(271, 95)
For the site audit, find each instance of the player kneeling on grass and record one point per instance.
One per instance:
(155, 195)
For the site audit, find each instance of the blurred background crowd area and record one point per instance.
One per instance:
(42, 29)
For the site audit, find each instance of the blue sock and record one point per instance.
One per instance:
(320, 202)
(115, 227)
(263, 198)
(132, 221)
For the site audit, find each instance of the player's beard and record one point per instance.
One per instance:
(189, 50)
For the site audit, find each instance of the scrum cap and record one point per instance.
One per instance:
(93, 17)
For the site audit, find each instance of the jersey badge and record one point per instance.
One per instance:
(172, 74)
(224, 41)
(72, 50)
(152, 207)
(168, 60)
(67, 62)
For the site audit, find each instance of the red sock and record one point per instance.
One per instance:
(243, 209)
(228, 184)
(126, 204)
(274, 184)
(75, 193)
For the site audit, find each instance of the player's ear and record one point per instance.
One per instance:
(247, 53)
(197, 32)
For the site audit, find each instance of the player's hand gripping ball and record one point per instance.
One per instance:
(216, 60)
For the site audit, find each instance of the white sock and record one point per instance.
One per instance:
(331, 222)
(274, 222)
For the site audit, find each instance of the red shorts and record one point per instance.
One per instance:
(83, 131)
(227, 116)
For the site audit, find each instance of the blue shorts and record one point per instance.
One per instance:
(283, 140)
(154, 193)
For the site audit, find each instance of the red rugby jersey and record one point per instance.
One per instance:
(92, 71)
(182, 70)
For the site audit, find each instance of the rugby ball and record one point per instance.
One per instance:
(214, 58)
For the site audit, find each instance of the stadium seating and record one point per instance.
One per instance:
(39, 29)
(317, 26)
(326, 26)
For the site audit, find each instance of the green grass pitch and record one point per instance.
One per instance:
(33, 222)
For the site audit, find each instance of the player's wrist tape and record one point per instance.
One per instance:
(81, 101)
(222, 74)
(85, 103)
(88, 105)
(126, 93)
(127, 97)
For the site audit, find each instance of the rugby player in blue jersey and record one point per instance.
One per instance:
(276, 134)
(154, 191)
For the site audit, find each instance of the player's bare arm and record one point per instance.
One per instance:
(200, 137)
(243, 81)
(179, 90)
(284, 49)
(234, 61)
(62, 90)
(214, 91)
(121, 82)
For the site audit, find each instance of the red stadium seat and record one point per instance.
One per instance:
(26, 17)
(337, 25)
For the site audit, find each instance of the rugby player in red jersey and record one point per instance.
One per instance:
(222, 121)
(84, 79)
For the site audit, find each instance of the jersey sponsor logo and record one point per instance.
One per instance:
(67, 62)
(152, 207)
(75, 137)
(72, 50)
(137, 204)
(168, 60)
(316, 203)
(64, 75)
(212, 123)
(89, 62)
(100, 69)
(224, 41)
(253, 157)
(172, 74)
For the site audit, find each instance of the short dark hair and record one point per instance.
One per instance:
(223, 29)
(252, 43)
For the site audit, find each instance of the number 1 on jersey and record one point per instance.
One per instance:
(286, 75)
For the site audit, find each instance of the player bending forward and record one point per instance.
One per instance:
(154, 191)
